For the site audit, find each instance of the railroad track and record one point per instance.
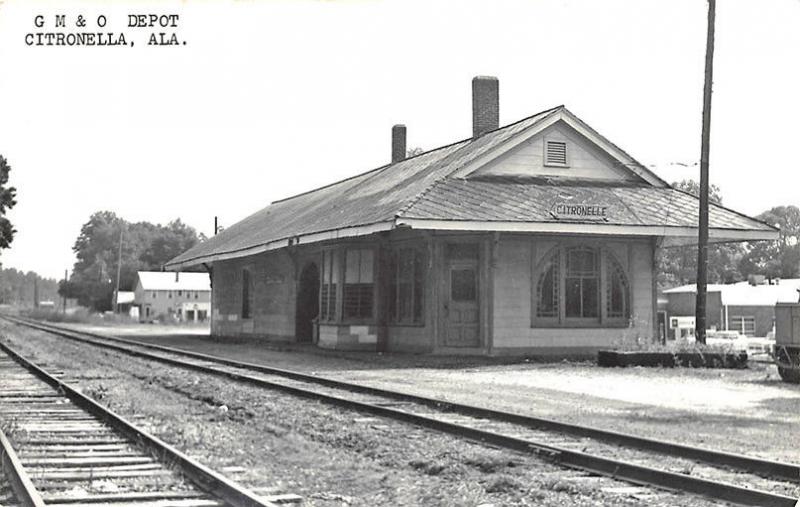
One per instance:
(59, 447)
(718, 475)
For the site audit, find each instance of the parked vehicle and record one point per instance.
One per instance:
(760, 346)
(736, 341)
(732, 339)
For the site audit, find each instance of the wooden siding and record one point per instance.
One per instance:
(513, 292)
(506, 264)
(584, 159)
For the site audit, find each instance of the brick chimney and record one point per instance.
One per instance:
(485, 105)
(398, 143)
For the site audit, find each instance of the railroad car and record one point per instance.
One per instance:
(787, 341)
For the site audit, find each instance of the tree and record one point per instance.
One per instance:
(413, 152)
(7, 201)
(18, 288)
(145, 246)
(678, 265)
(780, 258)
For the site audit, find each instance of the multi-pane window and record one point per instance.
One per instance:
(580, 285)
(358, 289)
(329, 285)
(247, 294)
(746, 325)
(406, 286)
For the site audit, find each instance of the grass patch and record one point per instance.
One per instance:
(78, 316)
(428, 467)
(490, 464)
(504, 483)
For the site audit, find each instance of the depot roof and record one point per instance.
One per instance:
(443, 189)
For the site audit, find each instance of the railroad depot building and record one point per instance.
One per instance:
(538, 236)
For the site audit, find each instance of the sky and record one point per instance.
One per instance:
(267, 99)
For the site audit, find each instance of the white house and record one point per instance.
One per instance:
(176, 296)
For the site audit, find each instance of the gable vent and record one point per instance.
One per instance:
(555, 153)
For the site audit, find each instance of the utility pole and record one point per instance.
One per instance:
(119, 268)
(216, 226)
(702, 239)
(64, 297)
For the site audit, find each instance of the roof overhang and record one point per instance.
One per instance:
(688, 233)
(346, 232)
(673, 235)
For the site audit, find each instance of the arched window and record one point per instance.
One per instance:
(580, 286)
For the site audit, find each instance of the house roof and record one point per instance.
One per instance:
(434, 190)
(745, 294)
(124, 297)
(162, 280)
(692, 288)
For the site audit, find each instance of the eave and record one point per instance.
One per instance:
(676, 234)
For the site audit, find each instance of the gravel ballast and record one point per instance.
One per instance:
(327, 455)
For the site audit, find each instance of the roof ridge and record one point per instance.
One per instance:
(330, 184)
(403, 210)
(433, 184)
(391, 164)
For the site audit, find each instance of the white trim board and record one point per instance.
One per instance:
(583, 228)
(484, 226)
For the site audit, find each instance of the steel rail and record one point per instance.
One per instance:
(622, 470)
(202, 476)
(21, 484)
(764, 467)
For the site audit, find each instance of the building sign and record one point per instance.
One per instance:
(570, 211)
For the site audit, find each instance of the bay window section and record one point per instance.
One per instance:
(359, 287)
(406, 286)
(329, 285)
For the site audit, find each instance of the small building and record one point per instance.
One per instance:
(747, 307)
(536, 237)
(184, 297)
(124, 302)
